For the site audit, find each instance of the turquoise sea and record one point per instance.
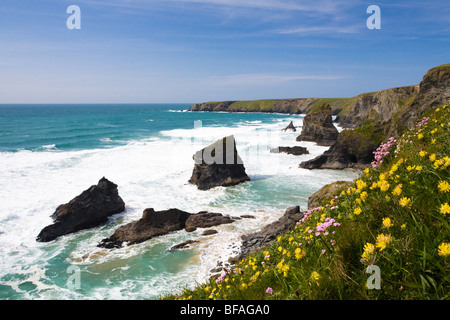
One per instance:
(51, 153)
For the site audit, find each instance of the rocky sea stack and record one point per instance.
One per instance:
(218, 165)
(318, 126)
(90, 209)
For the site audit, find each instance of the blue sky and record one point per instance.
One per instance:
(158, 51)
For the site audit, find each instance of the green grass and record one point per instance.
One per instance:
(395, 216)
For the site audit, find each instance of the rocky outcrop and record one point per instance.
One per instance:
(296, 151)
(434, 90)
(218, 165)
(327, 192)
(258, 240)
(378, 116)
(90, 209)
(318, 127)
(290, 127)
(375, 106)
(157, 223)
(353, 149)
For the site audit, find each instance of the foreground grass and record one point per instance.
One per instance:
(394, 217)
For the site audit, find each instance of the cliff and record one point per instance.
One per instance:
(289, 106)
(379, 115)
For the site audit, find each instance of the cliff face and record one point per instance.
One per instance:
(375, 106)
(377, 116)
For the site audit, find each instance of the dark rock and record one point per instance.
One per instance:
(184, 245)
(290, 127)
(248, 216)
(218, 165)
(205, 220)
(90, 209)
(153, 223)
(209, 232)
(258, 240)
(353, 149)
(296, 151)
(318, 127)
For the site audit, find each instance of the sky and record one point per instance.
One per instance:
(192, 51)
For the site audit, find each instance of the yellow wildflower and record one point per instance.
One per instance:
(422, 153)
(432, 157)
(445, 208)
(383, 240)
(387, 223)
(358, 201)
(444, 249)
(433, 141)
(315, 276)
(363, 195)
(299, 253)
(369, 249)
(405, 202)
(384, 185)
(357, 211)
(444, 186)
(418, 168)
(420, 136)
(397, 190)
(367, 171)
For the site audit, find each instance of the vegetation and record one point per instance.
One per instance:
(395, 216)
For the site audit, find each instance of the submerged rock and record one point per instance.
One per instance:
(153, 223)
(218, 165)
(90, 209)
(296, 151)
(157, 223)
(205, 220)
(318, 127)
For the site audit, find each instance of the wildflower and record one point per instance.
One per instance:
(357, 211)
(445, 208)
(383, 240)
(299, 253)
(383, 185)
(405, 202)
(422, 153)
(433, 141)
(432, 157)
(397, 190)
(363, 196)
(418, 168)
(369, 249)
(444, 249)
(387, 223)
(367, 171)
(244, 285)
(269, 290)
(420, 136)
(444, 186)
(315, 276)
(403, 226)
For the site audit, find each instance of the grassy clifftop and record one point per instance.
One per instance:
(393, 221)
(290, 106)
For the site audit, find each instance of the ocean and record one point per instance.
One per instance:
(51, 153)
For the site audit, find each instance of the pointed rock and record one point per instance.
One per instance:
(218, 165)
(90, 209)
